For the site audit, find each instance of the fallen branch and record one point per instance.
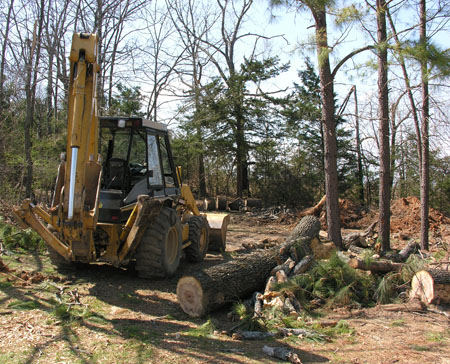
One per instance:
(378, 266)
(303, 265)
(252, 335)
(282, 353)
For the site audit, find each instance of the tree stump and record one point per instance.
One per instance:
(431, 286)
(239, 278)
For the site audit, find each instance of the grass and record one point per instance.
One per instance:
(5, 285)
(139, 333)
(436, 337)
(398, 323)
(205, 330)
(420, 347)
(24, 305)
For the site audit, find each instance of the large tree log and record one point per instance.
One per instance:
(431, 286)
(239, 278)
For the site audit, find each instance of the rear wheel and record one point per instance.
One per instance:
(199, 237)
(159, 252)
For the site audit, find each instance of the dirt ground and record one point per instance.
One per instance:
(111, 316)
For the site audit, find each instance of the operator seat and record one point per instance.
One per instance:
(118, 174)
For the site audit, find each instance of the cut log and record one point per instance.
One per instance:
(237, 204)
(376, 266)
(286, 267)
(303, 265)
(411, 248)
(228, 282)
(282, 353)
(431, 286)
(356, 249)
(210, 204)
(253, 203)
(221, 203)
(309, 226)
(281, 276)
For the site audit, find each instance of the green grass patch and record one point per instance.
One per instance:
(398, 323)
(24, 305)
(5, 285)
(139, 333)
(12, 357)
(436, 337)
(420, 348)
(205, 330)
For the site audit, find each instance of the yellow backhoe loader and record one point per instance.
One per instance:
(118, 195)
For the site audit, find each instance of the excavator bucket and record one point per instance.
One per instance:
(218, 226)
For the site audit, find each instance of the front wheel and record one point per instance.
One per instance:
(199, 237)
(159, 252)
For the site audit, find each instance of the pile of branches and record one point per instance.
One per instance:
(297, 287)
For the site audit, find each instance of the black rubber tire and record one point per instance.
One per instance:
(199, 237)
(159, 252)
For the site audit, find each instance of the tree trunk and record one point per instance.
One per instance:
(327, 98)
(384, 192)
(431, 286)
(358, 150)
(2, 76)
(239, 278)
(424, 178)
(3, 57)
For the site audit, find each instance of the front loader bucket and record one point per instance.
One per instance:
(218, 226)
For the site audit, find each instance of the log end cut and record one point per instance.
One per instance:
(191, 296)
(431, 286)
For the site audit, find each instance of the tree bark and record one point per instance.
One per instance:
(239, 278)
(379, 266)
(327, 98)
(358, 149)
(431, 286)
(384, 192)
(425, 175)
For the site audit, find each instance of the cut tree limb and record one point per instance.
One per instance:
(431, 286)
(377, 266)
(403, 254)
(303, 265)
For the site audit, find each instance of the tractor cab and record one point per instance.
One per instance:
(137, 160)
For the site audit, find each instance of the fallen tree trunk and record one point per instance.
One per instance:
(230, 281)
(431, 286)
(239, 278)
(377, 266)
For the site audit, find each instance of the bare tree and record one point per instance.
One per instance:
(193, 22)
